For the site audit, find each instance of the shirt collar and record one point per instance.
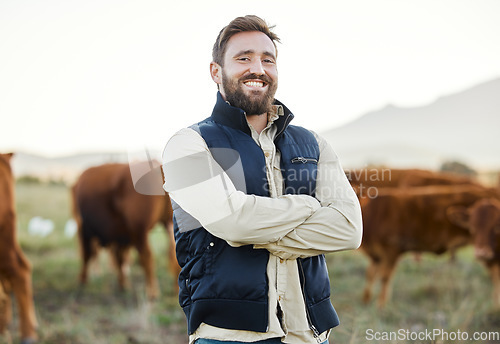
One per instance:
(275, 113)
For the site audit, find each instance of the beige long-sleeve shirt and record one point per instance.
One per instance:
(288, 226)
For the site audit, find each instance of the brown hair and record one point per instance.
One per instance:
(240, 24)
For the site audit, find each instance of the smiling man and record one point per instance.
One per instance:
(257, 203)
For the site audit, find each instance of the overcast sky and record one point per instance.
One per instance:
(114, 75)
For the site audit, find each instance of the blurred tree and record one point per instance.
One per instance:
(28, 179)
(458, 167)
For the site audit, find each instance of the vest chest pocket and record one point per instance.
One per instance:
(300, 175)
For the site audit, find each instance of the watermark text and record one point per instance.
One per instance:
(431, 336)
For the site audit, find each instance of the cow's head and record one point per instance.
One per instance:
(5, 168)
(482, 219)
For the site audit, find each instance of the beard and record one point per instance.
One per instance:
(254, 104)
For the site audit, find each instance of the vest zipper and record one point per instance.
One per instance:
(304, 160)
(313, 328)
(287, 121)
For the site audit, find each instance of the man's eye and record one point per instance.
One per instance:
(268, 61)
(243, 59)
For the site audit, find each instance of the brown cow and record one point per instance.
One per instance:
(111, 213)
(15, 270)
(367, 181)
(483, 221)
(411, 220)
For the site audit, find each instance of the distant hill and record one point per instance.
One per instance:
(464, 126)
(68, 168)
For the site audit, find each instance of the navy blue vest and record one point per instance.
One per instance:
(226, 286)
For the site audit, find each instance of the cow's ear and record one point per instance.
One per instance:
(458, 215)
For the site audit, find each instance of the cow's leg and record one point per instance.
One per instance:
(82, 241)
(87, 253)
(147, 263)
(88, 250)
(387, 266)
(120, 254)
(93, 267)
(20, 281)
(5, 317)
(495, 278)
(5, 314)
(172, 263)
(371, 274)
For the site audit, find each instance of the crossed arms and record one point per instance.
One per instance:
(289, 226)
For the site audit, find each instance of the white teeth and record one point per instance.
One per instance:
(254, 83)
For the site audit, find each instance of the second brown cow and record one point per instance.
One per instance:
(111, 213)
(411, 220)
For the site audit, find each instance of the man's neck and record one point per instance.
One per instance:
(258, 122)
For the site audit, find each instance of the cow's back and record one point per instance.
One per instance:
(387, 177)
(110, 208)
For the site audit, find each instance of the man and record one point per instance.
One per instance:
(257, 202)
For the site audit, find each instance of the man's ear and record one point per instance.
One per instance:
(458, 215)
(216, 72)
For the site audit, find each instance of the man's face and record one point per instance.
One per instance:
(249, 78)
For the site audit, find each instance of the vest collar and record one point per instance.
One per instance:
(235, 118)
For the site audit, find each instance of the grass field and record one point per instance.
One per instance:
(434, 293)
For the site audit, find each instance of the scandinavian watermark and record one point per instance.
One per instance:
(366, 181)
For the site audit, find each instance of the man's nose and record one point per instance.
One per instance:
(257, 68)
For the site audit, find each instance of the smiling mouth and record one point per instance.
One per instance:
(255, 83)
